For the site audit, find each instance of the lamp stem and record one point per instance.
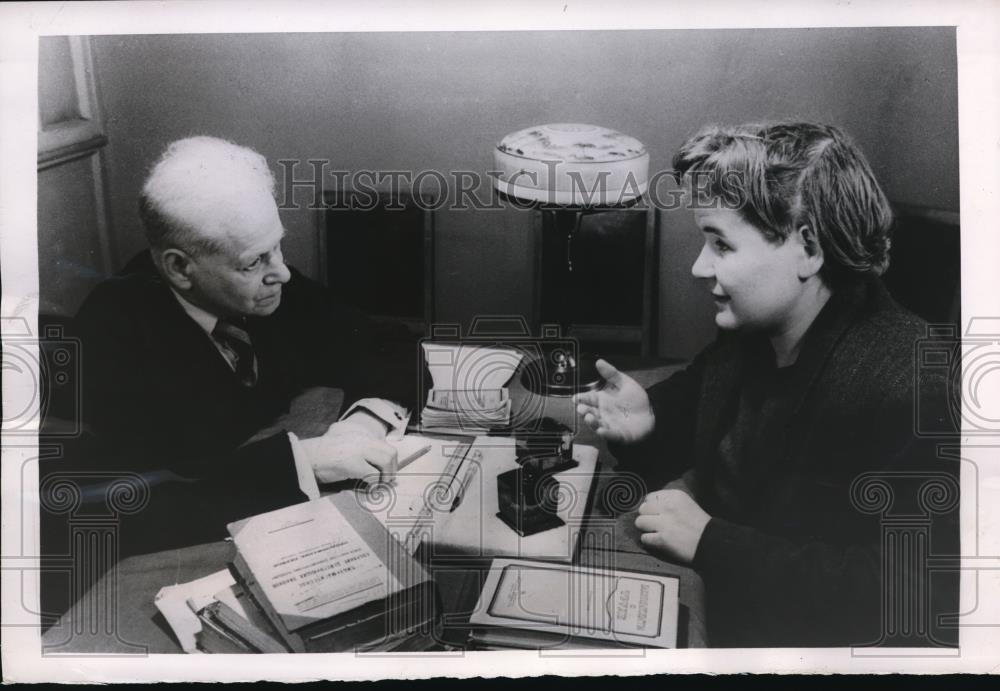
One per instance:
(573, 230)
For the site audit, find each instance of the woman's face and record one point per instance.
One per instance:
(756, 283)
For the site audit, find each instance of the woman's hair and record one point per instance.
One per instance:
(783, 176)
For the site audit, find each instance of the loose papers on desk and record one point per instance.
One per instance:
(176, 603)
(423, 490)
(468, 394)
(448, 497)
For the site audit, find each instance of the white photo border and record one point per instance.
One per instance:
(978, 26)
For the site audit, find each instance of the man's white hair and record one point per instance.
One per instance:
(196, 187)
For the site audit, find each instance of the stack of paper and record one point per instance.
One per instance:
(468, 394)
(447, 498)
(214, 615)
(175, 604)
(470, 411)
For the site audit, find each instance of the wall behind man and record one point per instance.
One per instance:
(439, 101)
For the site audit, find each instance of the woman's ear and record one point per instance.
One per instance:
(175, 265)
(812, 256)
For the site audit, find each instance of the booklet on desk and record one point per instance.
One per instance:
(534, 604)
(330, 577)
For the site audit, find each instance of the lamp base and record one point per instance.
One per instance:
(558, 373)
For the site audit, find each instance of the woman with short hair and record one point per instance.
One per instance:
(776, 433)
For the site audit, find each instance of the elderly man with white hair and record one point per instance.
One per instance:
(205, 339)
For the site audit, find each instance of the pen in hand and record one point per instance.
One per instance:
(403, 462)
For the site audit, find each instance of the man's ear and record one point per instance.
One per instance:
(176, 267)
(812, 257)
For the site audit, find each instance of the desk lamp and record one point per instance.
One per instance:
(568, 170)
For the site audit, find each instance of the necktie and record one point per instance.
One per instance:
(237, 340)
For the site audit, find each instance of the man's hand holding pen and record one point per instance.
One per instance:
(354, 448)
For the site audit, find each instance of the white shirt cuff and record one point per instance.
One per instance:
(393, 415)
(303, 469)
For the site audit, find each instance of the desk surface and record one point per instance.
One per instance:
(117, 615)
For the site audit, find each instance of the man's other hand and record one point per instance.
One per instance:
(619, 412)
(351, 450)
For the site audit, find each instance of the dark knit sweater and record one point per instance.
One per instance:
(791, 556)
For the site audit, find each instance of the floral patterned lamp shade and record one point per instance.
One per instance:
(571, 164)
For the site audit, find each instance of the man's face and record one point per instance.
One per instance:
(755, 282)
(245, 278)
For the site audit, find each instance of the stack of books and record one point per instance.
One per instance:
(330, 578)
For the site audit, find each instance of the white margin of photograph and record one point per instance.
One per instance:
(978, 39)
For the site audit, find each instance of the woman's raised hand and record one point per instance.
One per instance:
(620, 411)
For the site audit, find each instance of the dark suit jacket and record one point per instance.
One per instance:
(800, 564)
(158, 395)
